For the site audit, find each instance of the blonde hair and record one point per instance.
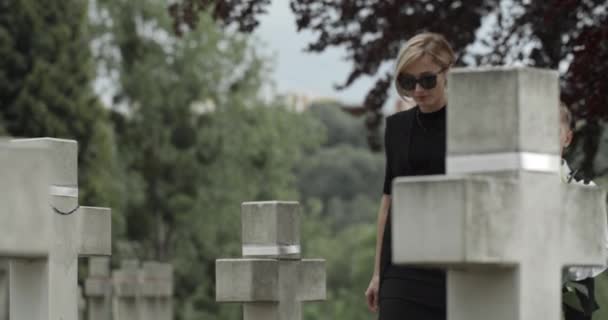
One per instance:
(433, 44)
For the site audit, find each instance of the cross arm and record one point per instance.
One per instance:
(269, 280)
(96, 226)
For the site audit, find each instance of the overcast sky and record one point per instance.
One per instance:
(302, 72)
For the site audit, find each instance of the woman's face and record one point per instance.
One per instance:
(427, 99)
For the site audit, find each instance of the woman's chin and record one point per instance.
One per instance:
(425, 104)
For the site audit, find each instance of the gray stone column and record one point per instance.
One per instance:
(157, 291)
(98, 289)
(271, 279)
(25, 203)
(501, 222)
(126, 291)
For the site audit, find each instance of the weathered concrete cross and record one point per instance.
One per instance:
(42, 228)
(501, 222)
(271, 279)
(156, 291)
(98, 289)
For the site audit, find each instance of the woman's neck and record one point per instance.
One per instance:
(433, 108)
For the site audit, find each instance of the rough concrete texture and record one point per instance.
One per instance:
(502, 110)
(270, 286)
(29, 286)
(582, 209)
(157, 279)
(98, 289)
(504, 235)
(24, 196)
(98, 282)
(96, 225)
(476, 219)
(270, 224)
(50, 280)
(257, 280)
(157, 291)
(246, 280)
(63, 156)
(125, 281)
(311, 280)
(132, 292)
(504, 238)
(125, 291)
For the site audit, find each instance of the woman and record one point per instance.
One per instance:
(415, 144)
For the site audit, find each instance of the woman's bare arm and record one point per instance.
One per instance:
(385, 203)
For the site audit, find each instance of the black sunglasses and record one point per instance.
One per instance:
(427, 80)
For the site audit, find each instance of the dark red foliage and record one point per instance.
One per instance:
(586, 81)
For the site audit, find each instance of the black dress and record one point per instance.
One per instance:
(415, 144)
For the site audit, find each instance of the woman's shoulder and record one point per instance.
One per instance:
(400, 118)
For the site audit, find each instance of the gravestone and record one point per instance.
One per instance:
(156, 291)
(43, 230)
(132, 292)
(98, 289)
(501, 222)
(125, 291)
(271, 280)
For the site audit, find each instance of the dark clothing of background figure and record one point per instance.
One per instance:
(415, 144)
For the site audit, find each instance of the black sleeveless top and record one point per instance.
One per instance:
(415, 144)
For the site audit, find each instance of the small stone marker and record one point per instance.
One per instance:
(125, 294)
(157, 291)
(270, 280)
(131, 292)
(98, 289)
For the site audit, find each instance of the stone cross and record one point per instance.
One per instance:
(271, 279)
(501, 221)
(125, 291)
(43, 230)
(130, 292)
(98, 289)
(157, 291)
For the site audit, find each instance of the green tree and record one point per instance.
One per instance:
(46, 71)
(197, 139)
(347, 180)
(341, 127)
(349, 254)
(571, 35)
(340, 185)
